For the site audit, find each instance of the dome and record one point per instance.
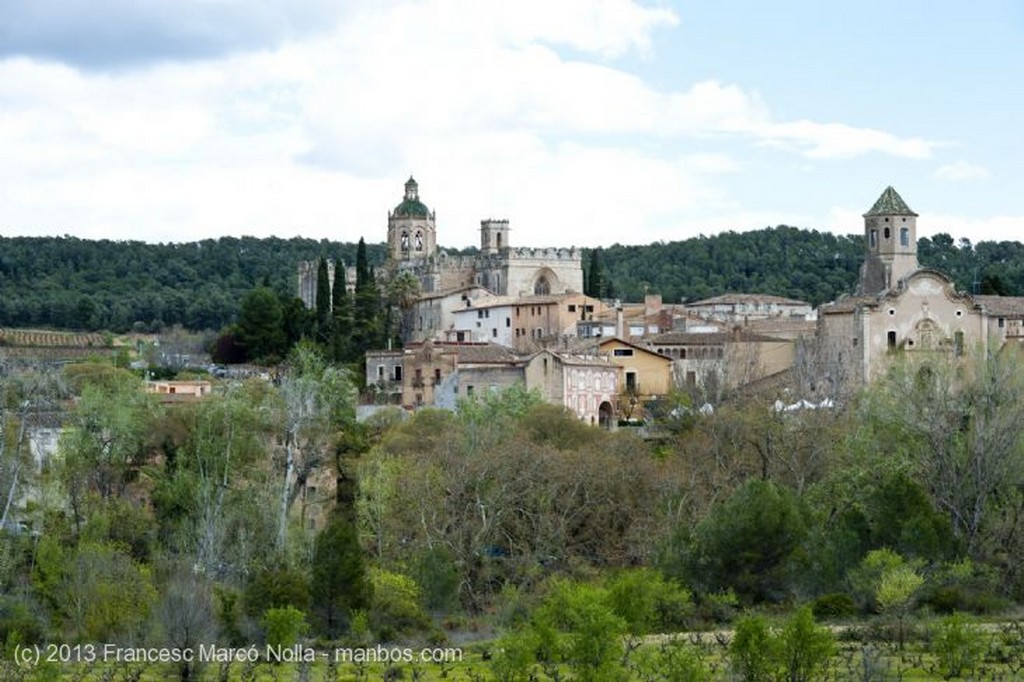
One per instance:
(411, 206)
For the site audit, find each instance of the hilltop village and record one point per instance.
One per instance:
(513, 314)
(485, 452)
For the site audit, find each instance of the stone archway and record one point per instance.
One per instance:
(546, 282)
(605, 415)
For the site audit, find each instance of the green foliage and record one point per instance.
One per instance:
(261, 326)
(958, 645)
(435, 571)
(803, 647)
(797, 653)
(66, 282)
(749, 543)
(647, 602)
(340, 583)
(834, 605)
(673, 660)
(752, 655)
(396, 608)
(284, 626)
(884, 581)
(277, 587)
(964, 585)
(575, 626)
(105, 594)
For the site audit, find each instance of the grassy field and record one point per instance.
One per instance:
(865, 653)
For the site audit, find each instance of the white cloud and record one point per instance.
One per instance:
(316, 137)
(962, 170)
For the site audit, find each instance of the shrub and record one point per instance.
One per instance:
(648, 602)
(284, 626)
(957, 646)
(751, 652)
(835, 605)
(804, 648)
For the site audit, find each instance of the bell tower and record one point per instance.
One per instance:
(493, 236)
(412, 233)
(890, 243)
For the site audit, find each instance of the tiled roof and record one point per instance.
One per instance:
(890, 203)
(705, 339)
(481, 353)
(1003, 306)
(729, 299)
(847, 304)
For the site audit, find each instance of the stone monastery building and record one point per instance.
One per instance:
(499, 267)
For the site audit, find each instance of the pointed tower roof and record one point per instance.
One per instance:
(890, 203)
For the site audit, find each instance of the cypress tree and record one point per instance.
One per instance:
(341, 338)
(323, 302)
(595, 281)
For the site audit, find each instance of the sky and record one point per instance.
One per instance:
(583, 122)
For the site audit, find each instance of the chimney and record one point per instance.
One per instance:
(620, 322)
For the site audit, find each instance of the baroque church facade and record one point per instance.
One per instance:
(901, 307)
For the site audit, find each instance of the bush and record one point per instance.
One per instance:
(284, 626)
(396, 608)
(804, 648)
(957, 645)
(649, 603)
(836, 605)
(751, 652)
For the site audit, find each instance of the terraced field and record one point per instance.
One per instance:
(47, 338)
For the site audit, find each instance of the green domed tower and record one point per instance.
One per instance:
(412, 234)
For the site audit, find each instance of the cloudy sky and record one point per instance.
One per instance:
(584, 122)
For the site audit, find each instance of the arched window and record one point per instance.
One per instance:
(542, 287)
(419, 241)
(499, 240)
(405, 241)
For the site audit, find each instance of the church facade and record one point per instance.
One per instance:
(900, 307)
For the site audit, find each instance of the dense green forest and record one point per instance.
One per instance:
(266, 514)
(70, 283)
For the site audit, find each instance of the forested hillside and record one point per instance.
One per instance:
(70, 283)
(787, 261)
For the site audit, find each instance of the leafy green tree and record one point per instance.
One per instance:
(959, 423)
(396, 607)
(749, 543)
(284, 626)
(576, 627)
(316, 401)
(261, 325)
